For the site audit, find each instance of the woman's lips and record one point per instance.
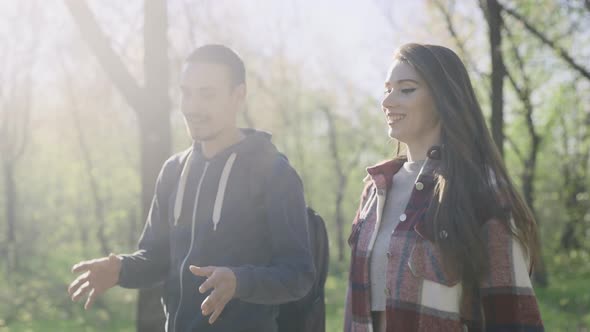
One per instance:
(395, 118)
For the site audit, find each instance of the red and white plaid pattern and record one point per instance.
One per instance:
(421, 294)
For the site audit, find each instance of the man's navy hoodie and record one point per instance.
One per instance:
(243, 209)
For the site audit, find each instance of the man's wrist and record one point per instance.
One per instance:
(117, 262)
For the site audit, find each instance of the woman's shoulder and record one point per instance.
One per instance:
(386, 164)
(379, 173)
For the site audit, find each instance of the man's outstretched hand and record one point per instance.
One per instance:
(98, 275)
(223, 282)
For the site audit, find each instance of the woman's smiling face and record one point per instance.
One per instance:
(409, 106)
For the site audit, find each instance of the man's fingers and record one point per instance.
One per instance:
(215, 315)
(205, 272)
(215, 306)
(211, 282)
(76, 283)
(81, 291)
(90, 300)
(202, 271)
(214, 303)
(208, 305)
(81, 267)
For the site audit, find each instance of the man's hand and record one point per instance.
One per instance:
(98, 276)
(223, 282)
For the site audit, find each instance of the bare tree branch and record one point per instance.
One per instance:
(100, 44)
(516, 149)
(448, 17)
(561, 52)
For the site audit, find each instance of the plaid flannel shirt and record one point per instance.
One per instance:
(421, 294)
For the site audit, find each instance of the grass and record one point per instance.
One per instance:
(335, 297)
(565, 306)
(62, 326)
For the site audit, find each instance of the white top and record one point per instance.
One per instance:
(398, 197)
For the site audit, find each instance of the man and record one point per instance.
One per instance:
(227, 229)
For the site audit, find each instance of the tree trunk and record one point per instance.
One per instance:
(151, 103)
(155, 148)
(339, 219)
(155, 138)
(540, 275)
(575, 211)
(342, 180)
(498, 72)
(10, 213)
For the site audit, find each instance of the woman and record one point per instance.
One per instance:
(442, 240)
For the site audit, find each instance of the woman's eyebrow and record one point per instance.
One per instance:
(407, 80)
(388, 83)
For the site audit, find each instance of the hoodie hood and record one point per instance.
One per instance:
(254, 142)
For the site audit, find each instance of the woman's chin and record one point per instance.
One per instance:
(395, 134)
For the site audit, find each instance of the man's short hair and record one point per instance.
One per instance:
(222, 55)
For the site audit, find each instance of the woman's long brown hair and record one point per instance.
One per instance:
(473, 183)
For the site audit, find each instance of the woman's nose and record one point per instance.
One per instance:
(389, 101)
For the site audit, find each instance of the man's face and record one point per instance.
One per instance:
(209, 100)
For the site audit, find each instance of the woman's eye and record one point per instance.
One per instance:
(408, 90)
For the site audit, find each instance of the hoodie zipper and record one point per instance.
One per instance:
(182, 266)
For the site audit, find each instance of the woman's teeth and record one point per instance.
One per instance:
(395, 118)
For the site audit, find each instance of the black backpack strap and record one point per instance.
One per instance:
(321, 248)
(314, 303)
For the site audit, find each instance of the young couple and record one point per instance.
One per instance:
(442, 241)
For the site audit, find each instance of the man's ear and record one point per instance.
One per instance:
(240, 92)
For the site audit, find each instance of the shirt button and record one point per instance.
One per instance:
(388, 254)
(419, 186)
(403, 217)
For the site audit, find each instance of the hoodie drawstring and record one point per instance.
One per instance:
(221, 189)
